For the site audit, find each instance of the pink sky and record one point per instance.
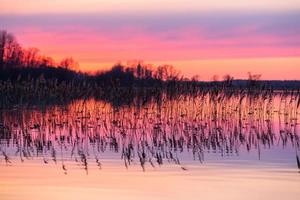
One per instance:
(233, 38)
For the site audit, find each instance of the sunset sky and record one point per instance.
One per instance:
(196, 36)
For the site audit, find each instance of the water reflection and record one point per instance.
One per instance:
(164, 130)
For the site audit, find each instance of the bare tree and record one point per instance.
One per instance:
(10, 50)
(167, 72)
(253, 79)
(47, 61)
(31, 56)
(160, 73)
(69, 63)
(228, 79)
(3, 35)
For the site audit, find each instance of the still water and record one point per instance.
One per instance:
(193, 147)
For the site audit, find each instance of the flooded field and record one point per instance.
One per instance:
(210, 145)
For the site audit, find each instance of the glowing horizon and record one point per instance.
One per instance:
(197, 37)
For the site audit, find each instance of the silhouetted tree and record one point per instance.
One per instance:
(47, 61)
(31, 57)
(139, 70)
(69, 63)
(228, 80)
(10, 50)
(253, 80)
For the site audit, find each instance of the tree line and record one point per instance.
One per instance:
(14, 59)
(13, 55)
(18, 63)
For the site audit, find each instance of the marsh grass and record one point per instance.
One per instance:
(153, 131)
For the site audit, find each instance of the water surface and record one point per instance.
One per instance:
(204, 146)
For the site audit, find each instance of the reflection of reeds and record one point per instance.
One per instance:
(222, 122)
(298, 161)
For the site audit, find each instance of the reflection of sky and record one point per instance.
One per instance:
(275, 155)
(30, 181)
(227, 177)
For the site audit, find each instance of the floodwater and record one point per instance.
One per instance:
(190, 147)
